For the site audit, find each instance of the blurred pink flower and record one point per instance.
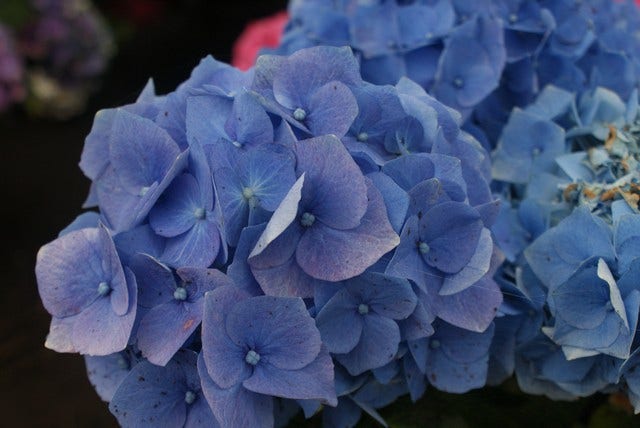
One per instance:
(262, 33)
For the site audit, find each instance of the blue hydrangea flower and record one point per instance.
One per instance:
(358, 322)
(171, 395)
(309, 97)
(91, 297)
(258, 347)
(189, 217)
(172, 309)
(253, 186)
(126, 192)
(329, 202)
(331, 226)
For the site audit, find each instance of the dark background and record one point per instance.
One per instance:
(43, 189)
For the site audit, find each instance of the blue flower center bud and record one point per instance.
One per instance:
(237, 144)
(143, 191)
(252, 357)
(363, 309)
(536, 151)
(363, 136)
(428, 36)
(199, 213)
(513, 18)
(434, 344)
(458, 82)
(104, 289)
(189, 397)
(423, 247)
(123, 363)
(180, 293)
(307, 219)
(247, 193)
(299, 114)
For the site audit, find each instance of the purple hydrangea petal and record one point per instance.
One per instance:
(332, 109)
(197, 247)
(99, 331)
(331, 179)
(239, 270)
(60, 334)
(475, 269)
(557, 253)
(283, 216)
(173, 214)
(351, 251)
(69, 271)
(451, 230)
(166, 327)
(95, 154)
(106, 373)
(309, 69)
(155, 395)
(270, 174)
(458, 359)
(224, 359)
(377, 346)
(248, 123)
(386, 295)
(155, 280)
(627, 241)
(286, 279)
(141, 152)
(312, 382)
(141, 239)
(395, 199)
(266, 322)
(339, 323)
(236, 406)
(472, 309)
(407, 261)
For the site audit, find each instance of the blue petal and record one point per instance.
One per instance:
(236, 406)
(557, 253)
(377, 346)
(175, 211)
(339, 323)
(197, 247)
(331, 179)
(266, 324)
(348, 253)
(311, 382)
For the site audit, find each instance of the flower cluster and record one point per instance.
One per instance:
(570, 229)
(480, 57)
(11, 71)
(274, 240)
(55, 56)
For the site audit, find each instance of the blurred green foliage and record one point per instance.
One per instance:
(14, 13)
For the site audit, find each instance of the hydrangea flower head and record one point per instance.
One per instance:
(331, 204)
